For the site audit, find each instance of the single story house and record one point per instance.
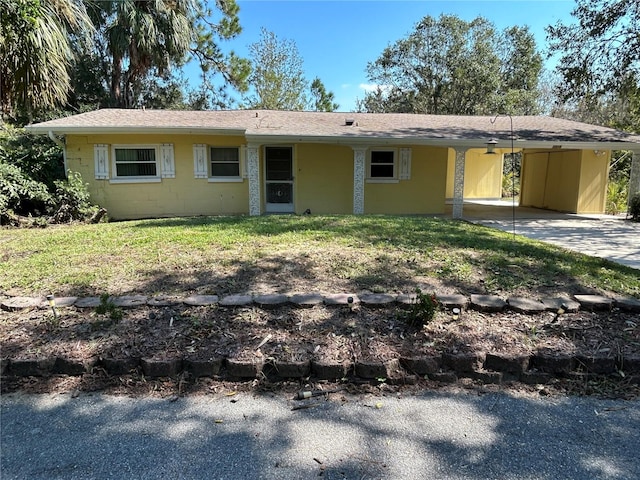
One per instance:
(158, 163)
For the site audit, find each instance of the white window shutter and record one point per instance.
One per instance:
(405, 164)
(168, 165)
(101, 160)
(200, 169)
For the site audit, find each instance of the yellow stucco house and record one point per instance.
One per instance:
(158, 163)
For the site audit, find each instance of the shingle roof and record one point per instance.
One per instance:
(325, 126)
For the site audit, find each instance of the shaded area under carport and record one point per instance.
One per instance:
(604, 236)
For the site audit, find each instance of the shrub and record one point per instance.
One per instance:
(634, 207)
(35, 155)
(71, 200)
(424, 309)
(20, 195)
(617, 194)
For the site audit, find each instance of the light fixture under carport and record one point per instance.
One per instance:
(491, 147)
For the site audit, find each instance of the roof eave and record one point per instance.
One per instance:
(81, 130)
(348, 140)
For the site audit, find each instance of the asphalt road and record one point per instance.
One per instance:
(430, 436)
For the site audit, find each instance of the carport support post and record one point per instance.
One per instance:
(253, 173)
(458, 183)
(359, 156)
(634, 177)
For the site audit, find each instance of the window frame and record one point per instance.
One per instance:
(115, 178)
(394, 178)
(225, 178)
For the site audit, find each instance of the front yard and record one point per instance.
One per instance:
(286, 254)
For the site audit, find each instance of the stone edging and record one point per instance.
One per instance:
(538, 368)
(483, 303)
(487, 367)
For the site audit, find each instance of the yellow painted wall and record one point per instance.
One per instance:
(451, 171)
(563, 175)
(183, 195)
(594, 177)
(424, 193)
(482, 173)
(323, 179)
(568, 181)
(533, 177)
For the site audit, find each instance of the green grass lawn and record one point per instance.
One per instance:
(289, 253)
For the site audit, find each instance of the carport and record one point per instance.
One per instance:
(565, 164)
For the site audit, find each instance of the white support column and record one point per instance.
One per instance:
(634, 176)
(359, 156)
(253, 173)
(458, 183)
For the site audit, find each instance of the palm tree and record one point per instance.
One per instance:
(36, 51)
(145, 35)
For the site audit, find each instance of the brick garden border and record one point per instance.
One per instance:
(488, 367)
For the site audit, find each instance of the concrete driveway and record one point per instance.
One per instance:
(605, 236)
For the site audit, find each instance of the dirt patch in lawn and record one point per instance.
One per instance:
(287, 334)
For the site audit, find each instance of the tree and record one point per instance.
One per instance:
(450, 66)
(277, 76)
(321, 100)
(600, 61)
(602, 51)
(36, 51)
(520, 72)
(154, 37)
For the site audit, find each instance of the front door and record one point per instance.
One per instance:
(279, 179)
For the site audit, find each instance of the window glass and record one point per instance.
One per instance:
(135, 162)
(225, 162)
(382, 164)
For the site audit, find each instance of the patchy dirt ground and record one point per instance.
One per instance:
(289, 334)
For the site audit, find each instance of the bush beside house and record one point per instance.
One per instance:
(33, 187)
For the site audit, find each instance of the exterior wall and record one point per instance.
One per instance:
(183, 195)
(482, 174)
(323, 179)
(594, 176)
(563, 181)
(568, 181)
(533, 178)
(423, 193)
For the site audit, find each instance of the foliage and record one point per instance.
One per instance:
(20, 194)
(277, 76)
(634, 207)
(511, 175)
(32, 180)
(520, 72)
(145, 39)
(600, 53)
(617, 195)
(424, 309)
(107, 307)
(81, 55)
(321, 100)
(450, 66)
(35, 155)
(36, 51)
(71, 199)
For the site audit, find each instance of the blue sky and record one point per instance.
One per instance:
(336, 39)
